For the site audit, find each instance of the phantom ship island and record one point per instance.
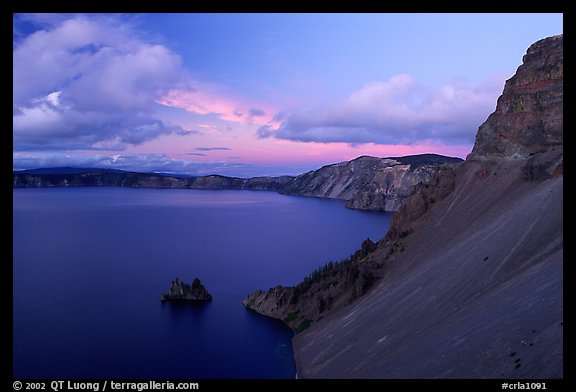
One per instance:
(180, 291)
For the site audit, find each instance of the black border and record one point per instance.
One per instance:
(235, 6)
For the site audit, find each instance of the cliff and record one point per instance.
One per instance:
(369, 183)
(528, 117)
(471, 269)
(180, 291)
(331, 286)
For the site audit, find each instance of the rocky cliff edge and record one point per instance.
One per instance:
(470, 272)
(370, 183)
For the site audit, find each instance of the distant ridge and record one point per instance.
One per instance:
(416, 161)
(366, 183)
(79, 177)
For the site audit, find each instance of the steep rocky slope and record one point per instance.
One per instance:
(369, 183)
(471, 270)
(329, 287)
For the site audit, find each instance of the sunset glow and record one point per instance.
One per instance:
(256, 94)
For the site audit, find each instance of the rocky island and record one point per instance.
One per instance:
(180, 291)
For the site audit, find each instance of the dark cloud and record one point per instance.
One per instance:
(255, 112)
(398, 111)
(268, 130)
(83, 81)
(186, 132)
(196, 154)
(250, 114)
(265, 131)
(212, 149)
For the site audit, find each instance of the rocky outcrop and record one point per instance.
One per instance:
(180, 291)
(471, 270)
(529, 114)
(331, 286)
(369, 183)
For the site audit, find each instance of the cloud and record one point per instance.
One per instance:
(397, 111)
(148, 163)
(208, 98)
(255, 112)
(212, 149)
(83, 81)
(197, 154)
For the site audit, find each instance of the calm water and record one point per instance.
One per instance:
(90, 265)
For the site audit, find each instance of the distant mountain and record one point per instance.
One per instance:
(366, 183)
(468, 281)
(77, 177)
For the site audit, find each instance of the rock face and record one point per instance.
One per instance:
(529, 114)
(471, 269)
(180, 291)
(330, 286)
(369, 183)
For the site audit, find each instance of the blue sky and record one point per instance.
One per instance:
(257, 94)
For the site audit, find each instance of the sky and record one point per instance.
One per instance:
(257, 94)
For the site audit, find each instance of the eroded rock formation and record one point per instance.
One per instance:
(180, 291)
(370, 183)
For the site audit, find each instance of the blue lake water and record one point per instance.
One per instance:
(90, 265)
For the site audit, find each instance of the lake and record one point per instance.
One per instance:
(90, 265)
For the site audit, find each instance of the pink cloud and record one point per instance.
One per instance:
(315, 154)
(397, 111)
(208, 98)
